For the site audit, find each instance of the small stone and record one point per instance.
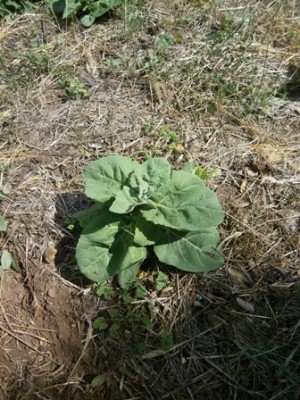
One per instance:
(51, 293)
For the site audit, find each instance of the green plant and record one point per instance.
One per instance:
(9, 7)
(204, 173)
(6, 261)
(141, 205)
(3, 224)
(91, 9)
(74, 86)
(166, 140)
(22, 68)
(172, 139)
(127, 314)
(166, 339)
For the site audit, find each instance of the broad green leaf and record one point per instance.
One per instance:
(187, 205)
(176, 212)
(127, 256)
(128, 274)
(126, 200)
(87, 20)
(92, 251)
(58, 6)
(146, 233)
(189, 167)
(192, 251)
(85, 216)
(3, 224)
(106, 177)
(6, 260)
(13, 4)
(102, 7)
(106, 247)
(71, 8)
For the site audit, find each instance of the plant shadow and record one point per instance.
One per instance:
(66, 205)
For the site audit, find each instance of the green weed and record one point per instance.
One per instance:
(142, 205)
(89, 10)
(73, 86)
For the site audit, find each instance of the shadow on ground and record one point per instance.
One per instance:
(67, 204)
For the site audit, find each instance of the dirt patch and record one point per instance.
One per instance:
(42, 336)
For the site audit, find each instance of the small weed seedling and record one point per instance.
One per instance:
(166, 140)
(73, 86)
(6, 260)
(134, 311)
(142, 205)
(3, 225)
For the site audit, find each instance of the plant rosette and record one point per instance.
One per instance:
(141, 205)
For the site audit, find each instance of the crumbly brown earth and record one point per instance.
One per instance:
(223, 77)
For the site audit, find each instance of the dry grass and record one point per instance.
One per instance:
(221, 75)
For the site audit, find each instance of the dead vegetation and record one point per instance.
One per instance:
(222, 76)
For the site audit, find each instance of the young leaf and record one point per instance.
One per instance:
(187, 205)
(88, 20)
(166, 340)
(100, 323)
(160, 281)
(191, 251)
(6, 260)
(106, 177)
(99, 381)
(153, 178)
(150, 178)
(3, 224)
(204, 173)
(15, 265)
